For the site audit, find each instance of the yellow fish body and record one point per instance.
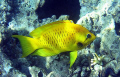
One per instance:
(54, 38)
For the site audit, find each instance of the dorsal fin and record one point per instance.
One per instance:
(39, 30)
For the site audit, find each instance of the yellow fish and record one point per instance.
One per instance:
(54, 38)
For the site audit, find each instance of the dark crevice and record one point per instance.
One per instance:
(110, 72)
(40, 74)
(60, 7)
(13, 11)
(117, 28)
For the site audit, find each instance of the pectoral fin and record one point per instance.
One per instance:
(73, 56)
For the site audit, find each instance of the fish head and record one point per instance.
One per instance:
(84, 38)
(89, 38)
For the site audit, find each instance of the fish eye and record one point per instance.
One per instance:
(88, 35)
(79, 44)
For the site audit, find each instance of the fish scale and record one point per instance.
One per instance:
(60, 42)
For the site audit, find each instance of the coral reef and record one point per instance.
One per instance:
(101, 20)
(20, 17)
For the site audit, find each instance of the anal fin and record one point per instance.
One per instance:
(45, 52)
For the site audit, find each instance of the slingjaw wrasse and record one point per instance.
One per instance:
(54, 38)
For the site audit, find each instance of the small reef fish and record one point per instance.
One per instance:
(54, 38)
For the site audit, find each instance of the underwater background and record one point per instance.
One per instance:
(99, 59)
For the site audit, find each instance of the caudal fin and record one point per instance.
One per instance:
(29, 45)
